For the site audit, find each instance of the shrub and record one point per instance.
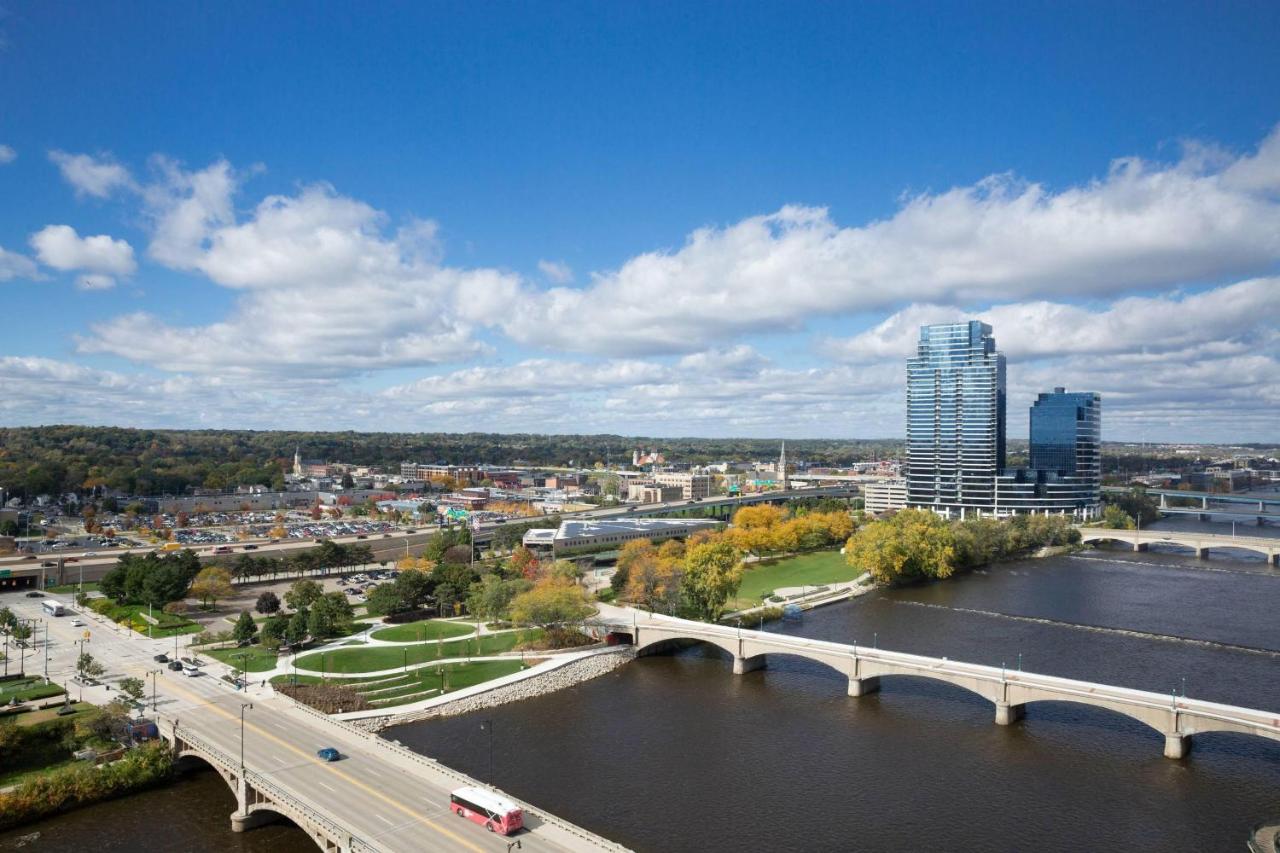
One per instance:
(176, 608)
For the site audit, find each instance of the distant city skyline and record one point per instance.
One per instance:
(652, 221)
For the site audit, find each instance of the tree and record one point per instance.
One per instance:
(386, 600)
(268, 603)
(330, 616)
(712, 574)
(132, 687)
(272, 632)
(414, 587)
(491, 596)
(654, 583)
(211, 584)
(913, 543)
(245, 628)
(525, 562)
(296, 630)
(551, 602)
(1115, 517)
(303, 593)
(88, 667)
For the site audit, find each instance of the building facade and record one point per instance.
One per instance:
(955, 419)
(885, 496)
(691, 485)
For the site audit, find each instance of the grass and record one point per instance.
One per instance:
(427, 629)
(258, 659)
(374, 658)
(814, 569)
(27, 688)
(32, 718)
(17, 777)
(386, 692)
(167, 624)
(72, 588)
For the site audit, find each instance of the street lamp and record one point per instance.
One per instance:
(153, 673)
(248, 706)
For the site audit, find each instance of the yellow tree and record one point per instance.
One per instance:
(212, 583)
(912, 544)
(712, 574)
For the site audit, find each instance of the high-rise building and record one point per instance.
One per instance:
(955, 419)
(783, 479)
(1066, 433)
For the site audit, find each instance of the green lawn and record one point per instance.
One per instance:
(428, 629)
(373, 658)
(167, 624)
(27, 688)
(72, 588)
(814, 569)
(386, 692)
(258, 659)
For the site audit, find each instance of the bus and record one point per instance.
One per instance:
(53, 608)
(486, 808)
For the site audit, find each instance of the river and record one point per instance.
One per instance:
(674, 753)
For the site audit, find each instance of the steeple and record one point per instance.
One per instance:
(782, 468)
(297, 461)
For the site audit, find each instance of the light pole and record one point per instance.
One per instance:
(153, 673)
(243, 707)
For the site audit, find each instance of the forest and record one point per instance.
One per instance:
(58, 459)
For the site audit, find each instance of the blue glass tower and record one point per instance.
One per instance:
(1066, 433)
(955, 419)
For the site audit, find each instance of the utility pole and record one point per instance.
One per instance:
(243, 707)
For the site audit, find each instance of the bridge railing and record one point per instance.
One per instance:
(278, 794)
(1065, 687)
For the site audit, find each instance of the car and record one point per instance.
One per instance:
(77, 623)
(90, 553)
(175, 665)
(48, 564)
(34, 594)
(161, 658)
(362, 536)
(251, 547)
(411, 530)
(328, 753)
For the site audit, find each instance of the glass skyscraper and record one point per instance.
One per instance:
(955, 419)
(1066, 433)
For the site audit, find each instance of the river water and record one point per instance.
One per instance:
(675, 753)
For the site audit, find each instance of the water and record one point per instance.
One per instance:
(675, 753)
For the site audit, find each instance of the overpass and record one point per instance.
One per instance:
(379, 797)
(722, 505)
(1177, 718)
(1201, 543)
(1261, 506)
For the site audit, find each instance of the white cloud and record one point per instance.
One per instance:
(101, 256)
(325, 290)
(93, 176)
(1143, 225)
(14, 265)
(7, 154)
(556, 272)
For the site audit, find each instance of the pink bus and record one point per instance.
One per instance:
(486, 808)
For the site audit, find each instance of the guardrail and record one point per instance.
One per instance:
(277, 793)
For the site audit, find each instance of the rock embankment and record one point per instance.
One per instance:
(539, 684)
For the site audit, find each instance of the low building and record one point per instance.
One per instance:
(652, 493)
(692, 486)
(885, 496)
(576, 534)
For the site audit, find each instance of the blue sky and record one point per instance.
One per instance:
(679, 219)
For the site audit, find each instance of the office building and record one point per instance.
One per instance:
(955, 419)
(885, 496)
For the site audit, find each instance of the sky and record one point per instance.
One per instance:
(667, 219)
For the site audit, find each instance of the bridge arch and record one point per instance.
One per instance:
(189, 758)
(665, 643)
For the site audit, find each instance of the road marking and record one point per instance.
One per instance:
(383, 819)
(416, 817)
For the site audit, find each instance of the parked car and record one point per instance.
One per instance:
(161, 658)
(328, 753)
(34, 594)
(175, 665)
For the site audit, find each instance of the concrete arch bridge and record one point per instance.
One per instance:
(1201, 543)
(1177, 718)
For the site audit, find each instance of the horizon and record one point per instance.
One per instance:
(667, 221)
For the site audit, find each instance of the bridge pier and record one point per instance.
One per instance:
(863, 686)
(245, 821)
(1202, 553)
(742, 665)
(1139, 546)
(1176, 745)
(1008, 713)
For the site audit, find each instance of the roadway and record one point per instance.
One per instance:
(392, 800)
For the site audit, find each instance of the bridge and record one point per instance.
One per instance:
(1260, 506)
(1198, 542)
(380, 797)
(1177, 718)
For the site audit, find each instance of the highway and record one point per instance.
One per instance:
(390, 799)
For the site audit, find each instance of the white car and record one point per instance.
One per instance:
(77, 623)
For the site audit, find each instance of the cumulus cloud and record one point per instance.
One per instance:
(556, 272)
(101, 257)
(325, 287)
(14, 265)
(1142, 225)
(7, 154)
(98, 176)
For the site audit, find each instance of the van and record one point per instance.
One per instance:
(190, 671)
(171, 546)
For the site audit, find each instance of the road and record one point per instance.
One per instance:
(390, 800)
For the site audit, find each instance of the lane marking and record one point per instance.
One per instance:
(396, 804)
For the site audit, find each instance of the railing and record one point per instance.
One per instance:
(275, 792)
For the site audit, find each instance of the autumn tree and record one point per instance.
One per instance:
(212, 583)
(913, 543)
(552, 604)
(525, 562)
(712, 575)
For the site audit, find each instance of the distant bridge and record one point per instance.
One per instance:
(1198, 542)
(1263, 507)
(1176, 717)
